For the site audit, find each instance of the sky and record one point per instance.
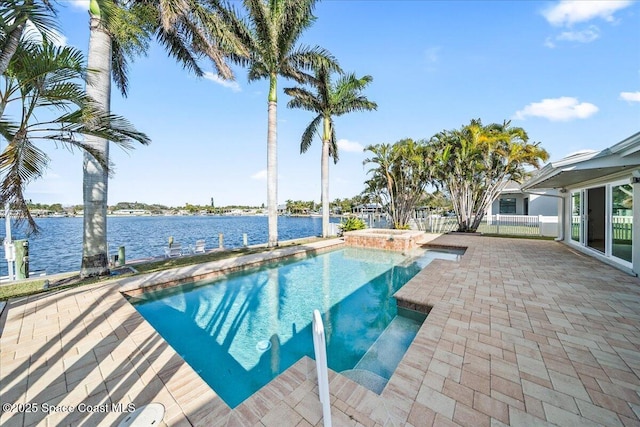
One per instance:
(568, 72)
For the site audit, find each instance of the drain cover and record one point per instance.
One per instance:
(145, 416)
(263, 345)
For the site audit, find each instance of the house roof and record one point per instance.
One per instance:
(588, 165)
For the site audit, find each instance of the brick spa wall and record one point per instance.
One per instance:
(393, 240)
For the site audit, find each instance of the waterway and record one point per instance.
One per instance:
(58, 247)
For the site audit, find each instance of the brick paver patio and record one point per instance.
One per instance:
(522, 333)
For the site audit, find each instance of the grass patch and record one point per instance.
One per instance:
(166, 264)
(21, 289)
(36, 286)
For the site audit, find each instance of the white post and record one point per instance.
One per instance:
(320, 350)
(8, 240)
(540, 225)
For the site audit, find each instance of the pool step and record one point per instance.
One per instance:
(385, 354)
(367, 379)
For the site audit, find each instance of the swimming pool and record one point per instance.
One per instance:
(241, 331)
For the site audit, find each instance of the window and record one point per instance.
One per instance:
(508, 206)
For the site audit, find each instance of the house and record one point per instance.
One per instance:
(597, 212)
(513, 201)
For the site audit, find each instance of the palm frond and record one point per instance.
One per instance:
(294, 18)
(333, 143)
(20, 163)
(309, 133)
(304, 99)
(175, 47)
(309, 58)
(91, 120)
(171, 11)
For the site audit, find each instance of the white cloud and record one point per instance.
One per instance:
(55, 37)
(260, 175)
(558, 109)
(233, 85)
(350, 146)
(569, 12)
(630, 96)
(80, 4)
(585, 36)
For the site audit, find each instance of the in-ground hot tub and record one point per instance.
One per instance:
(378, 238)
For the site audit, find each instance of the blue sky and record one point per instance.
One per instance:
(568, 72)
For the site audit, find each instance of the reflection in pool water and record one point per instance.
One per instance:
(241, 331)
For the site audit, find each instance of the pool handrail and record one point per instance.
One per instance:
(320, 350)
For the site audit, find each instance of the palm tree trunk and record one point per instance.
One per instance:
(13, 39)
(324, 171)
(95, 179)
(272, 164)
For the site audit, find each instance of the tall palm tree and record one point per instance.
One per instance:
(95, 179)
(329, 100)
(43, 77)
(187, 29)
(270, 33)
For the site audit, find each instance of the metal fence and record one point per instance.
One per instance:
(521, 225)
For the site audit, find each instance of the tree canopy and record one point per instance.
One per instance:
(400, 174)
(474, 163)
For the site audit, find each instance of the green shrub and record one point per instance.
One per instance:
(352, 224)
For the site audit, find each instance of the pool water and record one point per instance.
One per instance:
(241, 331)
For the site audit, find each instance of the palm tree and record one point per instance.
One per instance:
(474, 164)
(14, 16)
(400, 175)
(270, 34)
(329, 100)
(44, 77)
(186, 29)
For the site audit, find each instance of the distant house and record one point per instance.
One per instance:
(131, 212)
(600, 209)
(513, 201)
(368, 208)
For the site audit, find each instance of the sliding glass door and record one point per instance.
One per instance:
(596, 219)
(602, 219)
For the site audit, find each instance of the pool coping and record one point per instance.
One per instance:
(193, 273)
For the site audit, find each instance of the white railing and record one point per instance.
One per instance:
(435, 224)
(320, 350)
(622, 227)
(531, 225)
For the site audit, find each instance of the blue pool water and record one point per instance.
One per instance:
(241, 331)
